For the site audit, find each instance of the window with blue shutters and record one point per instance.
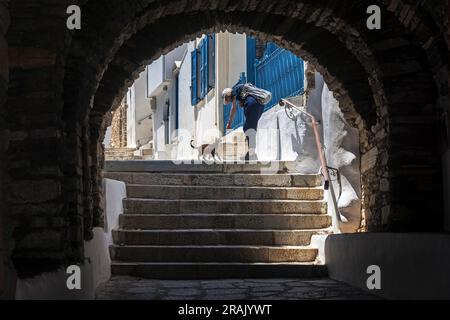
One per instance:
(211, 61)
(203, 68)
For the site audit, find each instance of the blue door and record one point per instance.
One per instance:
(281, 72)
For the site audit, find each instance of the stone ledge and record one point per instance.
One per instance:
(201, 167)
(413, 266)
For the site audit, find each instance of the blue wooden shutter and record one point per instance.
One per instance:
(200, 49)
(194, 88)
(212, 61)
(251, 58)
(203, 47)
(206, 65)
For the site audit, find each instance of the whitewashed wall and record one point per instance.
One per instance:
(206, 131)
(176, 54)
(161, 86)
(158, 122)
(143, 128)
(186, 110)
(155, 75)
(131, 118)
(155, 83)
(107, 140)
(237, 57)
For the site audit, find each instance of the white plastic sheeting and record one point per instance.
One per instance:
(342, 152)
(281, 137)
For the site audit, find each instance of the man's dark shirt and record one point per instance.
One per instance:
(236, 92)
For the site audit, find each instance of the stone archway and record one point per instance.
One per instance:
(63, 83)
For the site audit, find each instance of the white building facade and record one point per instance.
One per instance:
(182, 106)
(190, 111)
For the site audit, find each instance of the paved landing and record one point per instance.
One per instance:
(128, 288)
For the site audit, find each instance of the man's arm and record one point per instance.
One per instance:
(232, 114)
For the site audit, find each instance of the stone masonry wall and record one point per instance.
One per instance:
(63, 83)
(47, 232)
(119, 127)
(6, 268)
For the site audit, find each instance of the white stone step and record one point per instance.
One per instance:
(214, 179)
(223, 221)
(201, 167)
(223, 192)
(213, 253)
(159, 206)
(214, 237)
(222, 270)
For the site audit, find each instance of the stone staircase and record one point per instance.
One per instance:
(217, 221)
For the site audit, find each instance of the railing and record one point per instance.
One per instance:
(328, 185)
(148, 117)
(146, 140)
